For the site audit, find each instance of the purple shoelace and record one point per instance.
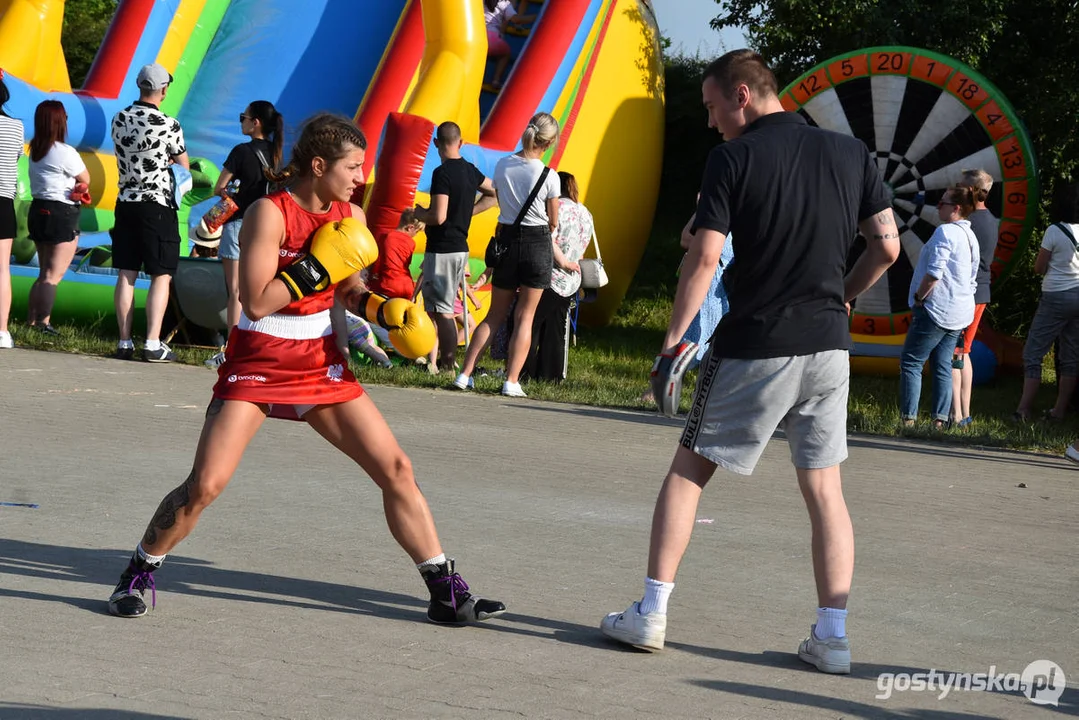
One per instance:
(141, 581)
(457, 585)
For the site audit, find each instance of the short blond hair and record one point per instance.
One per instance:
(978, 180)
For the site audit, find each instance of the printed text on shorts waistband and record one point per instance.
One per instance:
(290, 327)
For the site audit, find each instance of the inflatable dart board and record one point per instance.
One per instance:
(925, 118)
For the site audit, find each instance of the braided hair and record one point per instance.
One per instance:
(326, 135)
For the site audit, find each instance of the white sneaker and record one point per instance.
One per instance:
(463, 382)
(644, 632)
(512, 389)
(1071, 453)
(6, 342)
(216, 361)
(829, 656)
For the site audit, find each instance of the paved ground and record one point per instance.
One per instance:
(291, 600)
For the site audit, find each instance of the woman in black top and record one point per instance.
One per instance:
(247, 163)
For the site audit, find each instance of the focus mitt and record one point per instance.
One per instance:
(667, 372)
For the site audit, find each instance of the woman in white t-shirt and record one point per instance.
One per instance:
(11, 142)
(53, 222)
(525, 271)
(1058, 311)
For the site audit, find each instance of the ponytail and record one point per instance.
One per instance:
(273, 129)
(278, 133)
(541, 133)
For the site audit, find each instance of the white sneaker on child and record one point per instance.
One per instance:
(6, 342)
(463, 382)
(829, 656)
(512, 389)
(644, 632)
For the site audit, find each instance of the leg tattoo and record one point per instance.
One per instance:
(165, 517)
(214, 407)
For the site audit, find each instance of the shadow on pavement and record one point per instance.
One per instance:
(33, 712)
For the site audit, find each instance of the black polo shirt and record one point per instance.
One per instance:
(791, 196)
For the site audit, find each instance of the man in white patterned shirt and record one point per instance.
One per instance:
(146, 234)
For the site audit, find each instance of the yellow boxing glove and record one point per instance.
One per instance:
(412, 333)
(339, 249)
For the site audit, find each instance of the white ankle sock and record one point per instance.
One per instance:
(433, 562)
(831, 623)
(152, 345)
(152, 559)
(656, 594)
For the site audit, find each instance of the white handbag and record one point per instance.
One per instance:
(592, 273)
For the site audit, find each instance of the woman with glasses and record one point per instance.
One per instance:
(248, 163)
(942, 305)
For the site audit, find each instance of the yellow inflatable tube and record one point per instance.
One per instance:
(451, 71)
(876, 354)
(30, 43)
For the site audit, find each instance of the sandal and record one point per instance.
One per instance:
(968, 420)
(1048, 416)
(1018, 417)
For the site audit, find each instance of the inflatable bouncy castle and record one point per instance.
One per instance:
(399, 67)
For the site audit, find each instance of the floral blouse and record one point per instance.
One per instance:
(575, 228)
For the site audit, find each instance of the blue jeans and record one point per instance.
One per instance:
(926, 339)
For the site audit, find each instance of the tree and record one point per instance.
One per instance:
(1022, 46)
(85, 23)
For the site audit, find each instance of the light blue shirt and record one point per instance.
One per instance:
(950, 256)
(715, 305)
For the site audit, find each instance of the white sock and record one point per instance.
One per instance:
(152, 345)
(151, 559)
(126, 344)
(656, 594)
(433, 562)
(831, 623)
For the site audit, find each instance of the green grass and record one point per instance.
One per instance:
(609, 368)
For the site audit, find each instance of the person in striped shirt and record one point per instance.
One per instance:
(11, 148)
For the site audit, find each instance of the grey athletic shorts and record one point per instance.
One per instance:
(442, 276)
(738, 404)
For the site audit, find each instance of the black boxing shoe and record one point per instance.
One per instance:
(126, 600)
(451, 601)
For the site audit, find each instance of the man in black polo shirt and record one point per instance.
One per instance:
(793, 198)
(454, 185)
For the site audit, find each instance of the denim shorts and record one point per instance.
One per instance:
(738, 404)
(529, 260)
(229, 249)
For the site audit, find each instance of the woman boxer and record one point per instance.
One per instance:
(283, 361)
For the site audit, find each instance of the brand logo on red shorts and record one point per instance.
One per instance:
(242, 378)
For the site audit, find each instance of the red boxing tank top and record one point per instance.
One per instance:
(300, 227)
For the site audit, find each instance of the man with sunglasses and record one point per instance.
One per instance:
(454, 186)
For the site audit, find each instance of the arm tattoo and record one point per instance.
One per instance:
(165, 517)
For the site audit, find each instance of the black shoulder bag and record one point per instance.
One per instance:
(499, 246)
(1067, 231)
